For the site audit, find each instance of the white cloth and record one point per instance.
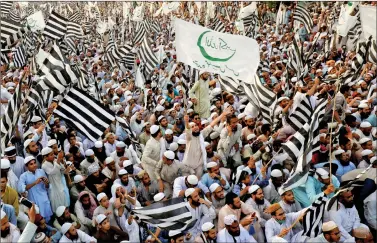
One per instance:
(203, 214)
(224, 237)
(347, 219)
(83, 237)
(12, 180)
(13, 236)
(110, 148)
(179, 185)
(370, 212)
(27, 234)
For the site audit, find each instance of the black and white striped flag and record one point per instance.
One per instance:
(219, 26)
(312, 221)
(56, 26)
(75, 17)
(147, 56)
(140, 33)
(15, 15)
(297, 143)
(302, 14)
(19, 57)
(168, 215)
(83, 79)
(74, 30)
(131, 135)
(372, 54)
(301, 115)
(5, 8)
(4, 56)
(84, 113)
(10, 32)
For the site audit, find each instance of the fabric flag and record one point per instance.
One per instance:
(74, 30)
(19, 57)
(372, 54)
(312, 221)
(219, 26)
(168, 215)
(216, 52)
(5, 7)
(138, 14)
(84, 113)
(295, 146)
(147, 56)
(345, 23)
(131, 135)
(248, 10)
(56, 26)
(368, 20)
(301, 115)
(10, 32)
(302, 15)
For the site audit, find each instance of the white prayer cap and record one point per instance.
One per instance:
(27, 134)
(202, 72)
(159, 196)
(28, 159)
(27, 142)
(192, 180)
(92, 169)
(241, 116)
(216, 91)
(366, 152)
(98, 144)
(206, 144)
(173, 146)
(328, 226)
(248, 117)
(78, 178)
(339, 151)
(127, 93)
(59, 211)
(36, 119)
(213, 187)
(2, 214)
(66, 227)
(229, 219)
(276, 173)
(116, 97)
(207, 226)
(89, 152)
(212, 108)
(363, 105)
(51, 142)
(253, 188)
(324, 174)
(191, 124)
(211, 165)
(120, 144)
(10, 151)
(294, 79)
(282, 98)
(189, 191)
(5, 164)
(190, 110)
(101, 196)
(129, 97)
(122, 172)
(174, 233)
(160, 118)
(160, 108)
(181, 141)
(365, 124)
(109, 160)
(39, 237)
(46, 151)
(169, 154)
(277, 239)
(251, 136)
(320, 70)
(100, 218)
(204, 122)
(162, 101)
(168, 132)
(214, 135)
(364, 140)
(373, 159)
(154, 129)
(127, 163)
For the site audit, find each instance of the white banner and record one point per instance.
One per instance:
(138, 14)
(368, 20)
(248, 10)
(204, 49)
(36, 21)
(169, 7)
(346, 22)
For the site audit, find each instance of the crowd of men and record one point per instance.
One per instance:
(209, 148)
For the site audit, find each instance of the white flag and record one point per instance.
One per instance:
(169, 7)
(368, 20)
(346, 22)
(248, 10)
(139, 79)
(36, 21)
(138, 14)
(204, 49)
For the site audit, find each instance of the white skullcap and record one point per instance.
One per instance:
(129, 97)
(249, 117)
(212, 108)
(276, 173)
(5, 164)
(322, 172)
(168, 132)
(100, 218)
(28, 159)
(120, 144)
(159, 196)
(365, 124)
(213, 187)
(229, 219)
(2, 214)
(46, 151)
(373, 159)
(253, 188)
(240, 116)
(202, 72)
(101, 196)
(59, 211)
(66, 227)
(154, 129)
(162, 101)
(89, 152)
(294, 79)
(78, 178)
(181, 141)
(108, 160)
(26, 134)
(363, 105)
(366, 152)
(36, 119)
(122, 172)
(189, 191)
(169, 154)
(190, 110)
(339, 151)
(207, 226)
(204, 122)
(39, 237)
(160, 108)
(191, 124)
(27, 142)
(98, 144)
(211, 165)
(328, 226)
(51, 142)
(174, 233)
(282, 98)
(127, 163)
(192, 180)
(173, 146)
(364, 140)
(206, 144)
(214, 135)
(251, 136)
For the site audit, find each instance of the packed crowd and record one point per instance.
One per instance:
(211, 148)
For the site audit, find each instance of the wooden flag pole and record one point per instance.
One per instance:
(298, 219)
(256, 178)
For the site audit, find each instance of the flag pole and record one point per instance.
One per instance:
(256, 178)
(298, 219)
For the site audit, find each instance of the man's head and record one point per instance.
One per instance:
(232, 225)
(3, 181)
(363, 235)
(103, 222)
(213, 168)
(331, 231)
(346, 198)
(69, 231)
(288, 197)
(233, 200)
(145, 179)
(277, 212)
(209, 231)
(123, 176)
(31, 163)
(277, 177)
(85, 201)
(192, 196)
(232, 121)
(31, 147)
(168, 157)
(217, 191)
(120, 147)
(5, 226)
(110, 163)
(176, 236)
(257, 194)
(103, 200)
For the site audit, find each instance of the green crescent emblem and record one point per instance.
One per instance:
(206, 55)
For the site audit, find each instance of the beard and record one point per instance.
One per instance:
(169, 141)
(12, 161)
(90, 160)
(344, 162)
(235, 207)
(196, 203)
(73, 237)
(34, 153)
(124, 183)
(259, 201)
(86, 206)
(366, 133)
(138, 121)
(364, 115)
(210, 154)
(195, 134)
(253, 171)
(120, 154)
(251, 127)
(80, 187)
(235, 233)
(348, 204)
(5, 233)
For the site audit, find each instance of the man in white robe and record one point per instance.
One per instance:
(71, 234)
(234, 232)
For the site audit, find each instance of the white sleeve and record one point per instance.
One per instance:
(28, 233)
(85, 237)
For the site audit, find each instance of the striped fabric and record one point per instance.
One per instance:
(317, 117)
(83, 79)
(74, 30)
(5, 8)
(131, 135)
(4, 59)
(19, 57)
(302, 14)
(296, 145)
(10, 32)
(372, 53)
(140, 33)
(75, 17)
(147, 56)
(15, 15)
(84, 113)
(56, 26)
(312, 221)
(219, 26)
(301, 115)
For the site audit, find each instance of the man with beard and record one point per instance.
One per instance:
(125, 181)
(147, 189)
(137, 122)
(249, 129)
(84, 209)
(199, 93)
(110, 170)
(234, 231)
(288, 202)
(271, 190)
(345, 215)
(6, 170)
(16, 162)
(151, 153)
(64, 216)
(258, 203)
(34, 181)
(108, 233)
(90, 159)
(201, 210)
(49, 231)
(9, 232)
(78, 186)
(181, 149)
(71, 234)
(366, 156)
(176, 236)
(164, 125)
(168, 139)
(364, 131)
(146, 134)
(182, 183)
(363, 113)
(217, 197)
(195, 154)
(99, 152)
(32, 149)
(121, 154)
(330, 233)
(342, 160)
(213, 175)
(208, 234)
